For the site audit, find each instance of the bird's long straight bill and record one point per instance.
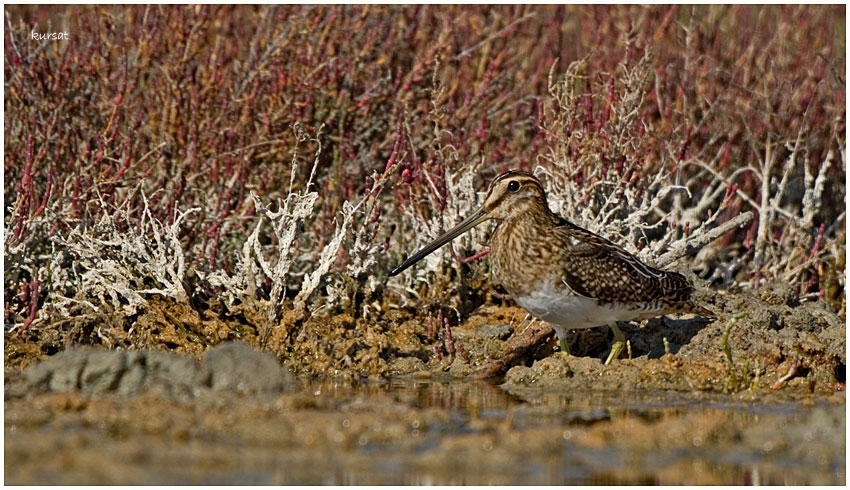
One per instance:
(476, 218)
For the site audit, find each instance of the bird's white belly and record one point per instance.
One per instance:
(572, 311)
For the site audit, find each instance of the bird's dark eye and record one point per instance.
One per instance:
(513, 186)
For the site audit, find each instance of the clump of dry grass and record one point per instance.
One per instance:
(291, 155)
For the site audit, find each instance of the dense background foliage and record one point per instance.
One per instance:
(147, 156)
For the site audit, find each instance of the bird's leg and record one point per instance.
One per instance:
(565, 346)
(618, 344)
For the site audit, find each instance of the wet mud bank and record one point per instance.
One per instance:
(411, 431)
(756, 396)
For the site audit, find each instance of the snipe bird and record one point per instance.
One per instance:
(562, 273)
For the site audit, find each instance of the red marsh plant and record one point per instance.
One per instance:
(293, 154)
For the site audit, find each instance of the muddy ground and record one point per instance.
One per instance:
(754, 396)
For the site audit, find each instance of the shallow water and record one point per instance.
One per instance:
(428, 432)
(577, 459)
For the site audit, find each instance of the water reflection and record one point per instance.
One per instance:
(430, 431)
(490, 436)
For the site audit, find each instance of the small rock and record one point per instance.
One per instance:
(499, 331)
(777, 294)
(460, 368)
(238, 367)
(58, 373)
(134, 376)
(406, 365)
(102, 371)
(97, 371)
(521, 375)
(552, 367)
(166, 373)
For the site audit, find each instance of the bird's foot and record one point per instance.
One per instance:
(564, 354)
(561, 355)
(618, 345)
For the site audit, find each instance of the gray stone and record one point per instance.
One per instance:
(235, 366)
(102, 371)
(170, 374)
(232, 366)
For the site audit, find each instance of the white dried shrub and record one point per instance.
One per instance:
(121, 268)
(277, 261)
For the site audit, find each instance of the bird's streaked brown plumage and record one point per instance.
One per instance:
(562, 273)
